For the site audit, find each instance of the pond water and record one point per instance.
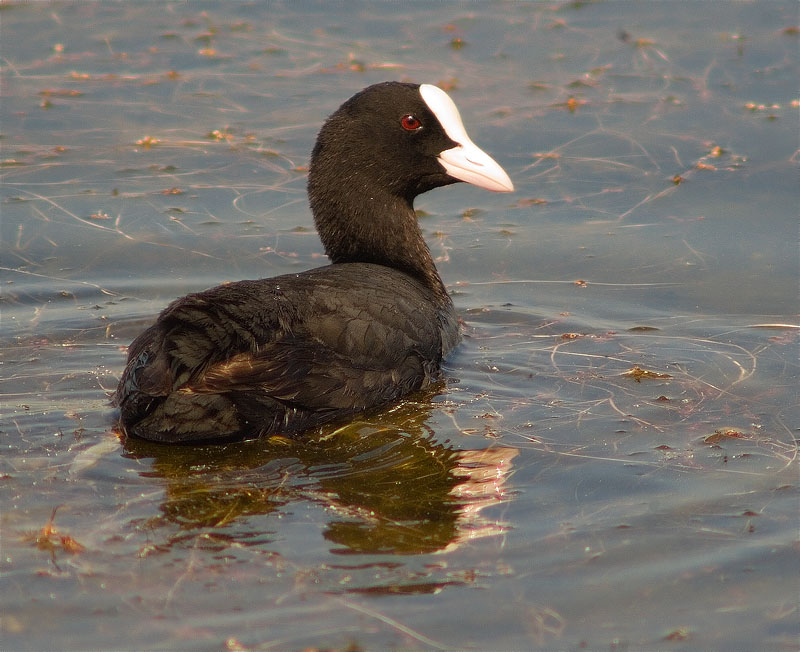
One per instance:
(611, 459)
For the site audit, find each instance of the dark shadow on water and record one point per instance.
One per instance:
(387, 485)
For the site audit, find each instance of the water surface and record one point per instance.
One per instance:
(610, 460)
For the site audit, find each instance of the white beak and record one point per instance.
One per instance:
(465, 162)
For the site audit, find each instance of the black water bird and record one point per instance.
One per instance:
(284, 354)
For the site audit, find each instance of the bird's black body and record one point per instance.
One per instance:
(285, 354)
(304, 353)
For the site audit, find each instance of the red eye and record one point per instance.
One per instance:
(410, 123)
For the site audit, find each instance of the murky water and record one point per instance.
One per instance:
(610, 462)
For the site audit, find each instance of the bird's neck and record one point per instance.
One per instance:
(357, 225)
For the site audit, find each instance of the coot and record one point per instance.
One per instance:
(284, 354)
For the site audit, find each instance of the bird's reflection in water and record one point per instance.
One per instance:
(386, 483)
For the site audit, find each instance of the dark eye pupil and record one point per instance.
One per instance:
(410, 123)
